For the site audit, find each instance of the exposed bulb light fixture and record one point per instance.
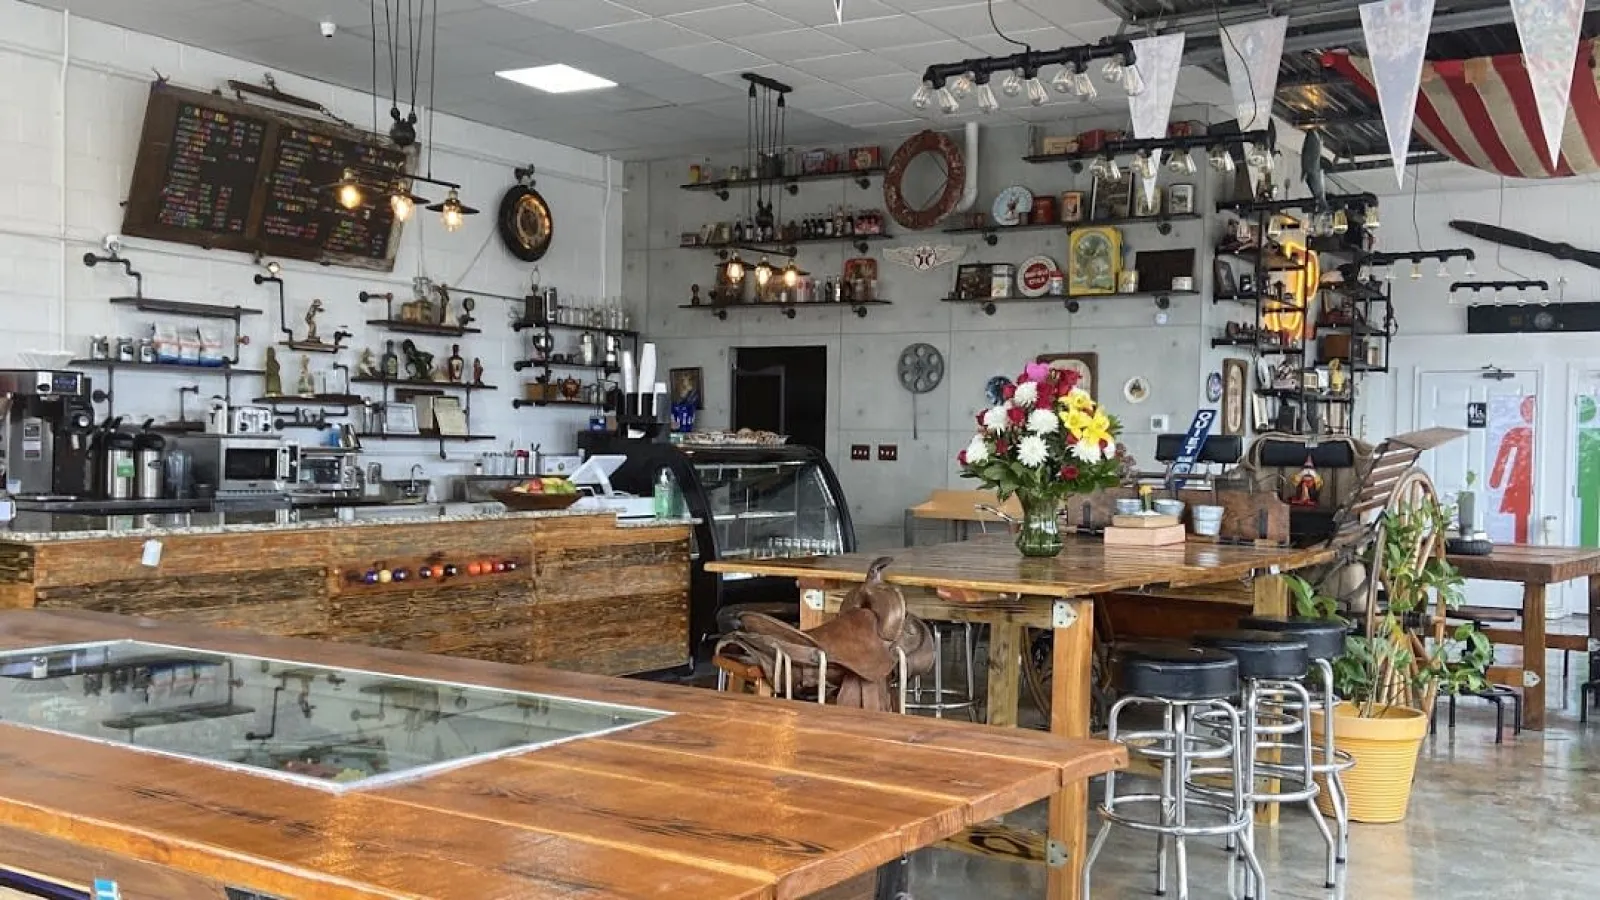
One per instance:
(1037, 95)
(1083, 86)
(734, 270)
(1221, 160)
(923, 98)
(452, 212)
(350, 193)
(763, 272)
(1389, 274)
(1257, 156)
(1371, 218)
(1105, 168)
(791, 274)
(948, 104)
(1132, 81)
(1444, 268)
(962, 85)
(273, 268)
(1341, 221)
(1144, 165)
(1062, 81)
(987, 101)
(403, 206)
(1012, 85)
(1472, 271)
(1416, 270)
(1112, 70)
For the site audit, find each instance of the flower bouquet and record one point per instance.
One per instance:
(1047, 440)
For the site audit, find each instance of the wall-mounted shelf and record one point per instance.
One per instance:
(400, 326)
(112, 364)
(991, 233)
(720, 310)
(790, 183)
(521, 403)
(790, 248)
(423, 383)
(1246, 299)
(424, 436)
(1172, 144)
(1268, 262)
(525, 324)
(990, 305)
(311, 400)
(311, 346)
(545, 364)
(1308, 396)
(184, 308)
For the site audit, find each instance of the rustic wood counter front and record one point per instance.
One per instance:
(986, 580)
(729, 798)
(571, 591)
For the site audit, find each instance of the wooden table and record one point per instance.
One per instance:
(985, 580)
(729, 798)
(1537, 568)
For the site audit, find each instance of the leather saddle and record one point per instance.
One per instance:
(861, 646)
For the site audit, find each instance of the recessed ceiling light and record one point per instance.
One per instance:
(557, 79)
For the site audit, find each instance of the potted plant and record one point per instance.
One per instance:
(1389, 675)
(1467, 508)
(1046, 440)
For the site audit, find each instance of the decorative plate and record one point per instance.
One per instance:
(995, 389)
(525, 223)
(1137, 390)
(1012, 206)
(1033, 278)
(1213, 387)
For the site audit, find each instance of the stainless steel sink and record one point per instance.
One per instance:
(404, 491)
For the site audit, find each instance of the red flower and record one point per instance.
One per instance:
(1009, 391)
(962, 457)
(1017, 415)
(1001, 446)
(1069, 472)
(979, 417)
(1105, 447)
(1047, 395)
(1069, 379)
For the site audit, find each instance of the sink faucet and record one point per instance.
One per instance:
(416, 470)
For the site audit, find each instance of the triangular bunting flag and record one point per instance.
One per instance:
(1549, 33)
(1158, 59)
(1253, 51)
(1397, 36)
(838, 11)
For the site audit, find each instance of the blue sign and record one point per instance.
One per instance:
(1193, 442)
(106, 889)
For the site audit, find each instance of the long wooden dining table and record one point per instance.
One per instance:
(985, 580)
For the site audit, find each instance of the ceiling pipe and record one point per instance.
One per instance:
(1209, 49)
(969, 188)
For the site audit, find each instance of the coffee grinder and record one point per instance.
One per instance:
(47, 418)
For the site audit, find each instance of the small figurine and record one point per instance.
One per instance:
(311, 322)
(366, 364)
(1336, 377)
(391, 362)
(274, 376)
(477, 370)
(419, 362)
(1308, 486)
(447, 316)
(304, 386)
(455, 365)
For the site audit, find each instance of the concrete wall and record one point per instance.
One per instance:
(70, 116)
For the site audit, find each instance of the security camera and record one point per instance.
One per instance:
(328, 28)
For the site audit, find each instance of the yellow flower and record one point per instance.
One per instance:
(1102, 422)
(1075, 421)
(1095, 434)
(1078, 399)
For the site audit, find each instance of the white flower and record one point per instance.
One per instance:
(977, 451)
(1043, 421)
(1027, 394)
(1087, 451)
(1032, 452)
(997, 419)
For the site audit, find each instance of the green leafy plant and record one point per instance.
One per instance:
(1309, 603)
(1392, 664)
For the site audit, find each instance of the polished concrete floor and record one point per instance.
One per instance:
(1516, 820)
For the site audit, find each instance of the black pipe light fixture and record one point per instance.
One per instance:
(949, 83)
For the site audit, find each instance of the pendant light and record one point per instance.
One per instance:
(733, 270)
(791, 274)
(452, 212)
(763, 272)
(923, 98)
(350, 193)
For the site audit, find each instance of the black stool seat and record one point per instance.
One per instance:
(1176, 672)
(728, 616)
(1261, 654)
(1324, 639)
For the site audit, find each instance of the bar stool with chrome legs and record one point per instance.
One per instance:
(1183, 683)
(1273, 704)
(1324, 644)
(942, 699)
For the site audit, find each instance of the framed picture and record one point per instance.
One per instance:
(688, 384)
(1180, 200)
(400, 418)
(1145, 207)
(1087, 365)
(448, 416)
(1225, 286)
(972, 281)
(1235, 388)
(1094, 260)
(1110, 199)
(1071, 207)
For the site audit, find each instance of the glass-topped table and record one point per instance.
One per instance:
(332, 728)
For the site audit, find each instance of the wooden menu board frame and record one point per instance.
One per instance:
(153, 171)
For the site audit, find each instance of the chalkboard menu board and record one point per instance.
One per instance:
(224, 174)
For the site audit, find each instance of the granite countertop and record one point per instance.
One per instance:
(43, 527)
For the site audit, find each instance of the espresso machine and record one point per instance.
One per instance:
(48, 420)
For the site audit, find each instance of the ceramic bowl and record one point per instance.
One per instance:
(1170, 507)
(1128, 507)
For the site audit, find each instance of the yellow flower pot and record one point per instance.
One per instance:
(1385, 751)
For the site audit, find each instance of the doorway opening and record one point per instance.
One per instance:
(783, 390)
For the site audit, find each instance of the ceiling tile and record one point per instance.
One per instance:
(647, 34)
(575, 14)
(1048, 38)
(869, 113)
(634, 69)
(973, 19)
(490, 24)
(735, 21)
(788, 46)
(1088, 32)
(888, 31)
(688, 90)
(712, 56)
(815, 12)
(860, 64)
(1069, 13)
(234, 22)
(895, 89)
(671, 7)
(823, 96)
(917, 57)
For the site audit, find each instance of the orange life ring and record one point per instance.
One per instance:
(955, 178)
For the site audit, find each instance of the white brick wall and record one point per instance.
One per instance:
(49, 299)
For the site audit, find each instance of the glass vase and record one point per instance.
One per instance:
(1040, 533)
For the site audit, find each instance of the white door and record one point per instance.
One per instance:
(1501, 450)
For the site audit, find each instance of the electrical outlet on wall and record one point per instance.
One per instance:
(861, 452)
(1161, 424)
(888, 452)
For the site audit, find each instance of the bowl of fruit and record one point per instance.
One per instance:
(548, 492)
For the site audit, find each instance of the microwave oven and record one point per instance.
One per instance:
(243, 465)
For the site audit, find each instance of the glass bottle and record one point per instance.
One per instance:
(668, 499)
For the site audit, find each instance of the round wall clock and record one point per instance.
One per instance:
(1012, 205)
(525, 223)
(955, 176)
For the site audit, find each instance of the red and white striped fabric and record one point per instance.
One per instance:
(1481, 112)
